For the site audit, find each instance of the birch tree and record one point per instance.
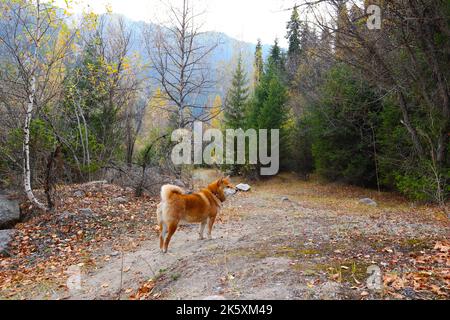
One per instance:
(35, 41)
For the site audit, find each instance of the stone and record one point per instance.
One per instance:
(9, 212)
(88, 213)
(230, 192)
(409, 293)
(94, 183)
(6, 237)
(243, 187)
(120, 200)
(179, 183)
(328, 291)
(79, 194)
(368, 202)
(67, 215)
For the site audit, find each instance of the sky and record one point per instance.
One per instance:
(245, 20)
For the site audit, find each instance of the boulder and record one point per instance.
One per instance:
(6, 237)
(243, 187)
(9, 212)
(368, 201)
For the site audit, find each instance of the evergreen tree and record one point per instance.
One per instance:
(343, 128)
(271, 98)
(237, 97)
(267, 108)
(294, 34)
(259, 63)
(277, 60)
(275, 53)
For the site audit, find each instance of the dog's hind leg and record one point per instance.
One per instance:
(211, 221)
(162, 234)
(171, 230)
(202, 229)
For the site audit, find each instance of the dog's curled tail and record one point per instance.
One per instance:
(168, 190)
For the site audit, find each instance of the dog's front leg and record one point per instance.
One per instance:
(202, 229)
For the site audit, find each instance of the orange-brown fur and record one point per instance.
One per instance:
(201, 207)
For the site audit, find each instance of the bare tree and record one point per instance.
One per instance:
(179, 59)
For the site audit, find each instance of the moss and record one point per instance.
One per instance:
(284, 251)
(295, 253)
(413, 244)
(350, 271)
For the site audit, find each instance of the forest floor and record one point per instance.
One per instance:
(284, 239)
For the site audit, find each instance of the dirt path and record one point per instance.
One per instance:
(275, 242)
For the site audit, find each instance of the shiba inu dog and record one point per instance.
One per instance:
(201, 207)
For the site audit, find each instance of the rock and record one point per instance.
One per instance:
(93, 183)
(66, 215)
(328, 291)
(88, 213)
(409, 293)
(243, 187)
(79, 194)
(6, 237)
(120, 200)
(230, 192)
(9, 212)
(368, 202)
(179, 183)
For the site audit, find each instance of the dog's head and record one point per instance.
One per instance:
(218, 187)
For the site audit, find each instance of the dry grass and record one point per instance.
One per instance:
(344, 199)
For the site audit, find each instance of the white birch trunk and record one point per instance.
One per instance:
(28, 116)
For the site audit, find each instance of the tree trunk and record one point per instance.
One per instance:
(26, 148)
(28, 116)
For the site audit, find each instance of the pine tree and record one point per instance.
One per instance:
(267, 108)
(259, 63)
(237, 97)
(275, 53)
(271, 100)
(277, 59)
(294, 34)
